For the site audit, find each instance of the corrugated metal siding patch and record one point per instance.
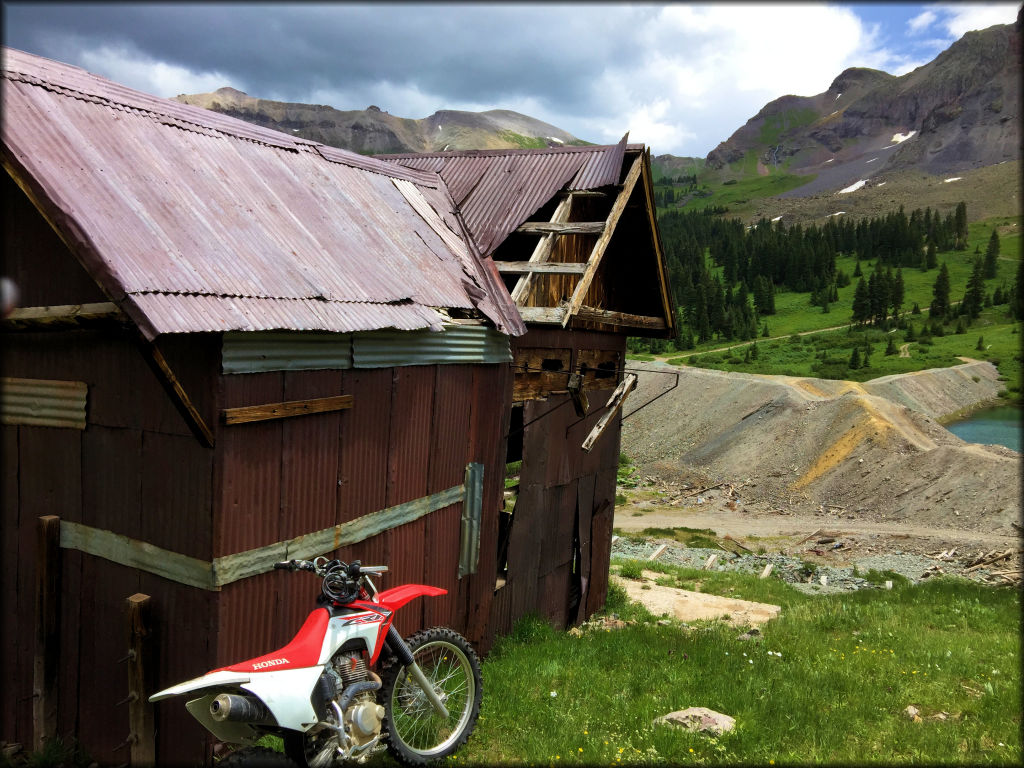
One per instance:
(456, 344)
(287, 351)
(259, 352)
(43, 402)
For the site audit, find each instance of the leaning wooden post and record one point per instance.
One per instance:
(140, 711)
(47, 653)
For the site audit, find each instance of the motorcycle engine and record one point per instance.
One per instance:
(363, 716)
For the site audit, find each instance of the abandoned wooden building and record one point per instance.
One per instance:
(235, 346)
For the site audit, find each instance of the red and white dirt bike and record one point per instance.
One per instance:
(320, 692)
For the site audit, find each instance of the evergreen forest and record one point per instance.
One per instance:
(725, 276)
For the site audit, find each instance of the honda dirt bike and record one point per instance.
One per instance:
(321, 692)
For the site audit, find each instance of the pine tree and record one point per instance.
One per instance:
(897, 293)
(960, 227)
(930, 256)
(890, 346)
(992, 255)
(861, 302)
(855, 359)
(940, 293)
(974, 296)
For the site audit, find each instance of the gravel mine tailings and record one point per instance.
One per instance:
(870, 454)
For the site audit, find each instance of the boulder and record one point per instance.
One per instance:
(699, 719)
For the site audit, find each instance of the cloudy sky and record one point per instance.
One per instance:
(679, 77)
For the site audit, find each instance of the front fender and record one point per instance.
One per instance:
(395, 598)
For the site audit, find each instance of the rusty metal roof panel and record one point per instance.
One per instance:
(497, 190)
(602, 168)
(185, 211)
(160, 313)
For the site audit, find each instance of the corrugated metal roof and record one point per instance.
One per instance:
(497, 190)
(207, 223)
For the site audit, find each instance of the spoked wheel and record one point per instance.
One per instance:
(416, 733)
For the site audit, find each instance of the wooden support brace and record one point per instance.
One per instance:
(177, 392)
(140, 669)
(620, 318)
(549, 267)
(556, 228)
(579, 294)
(251, 413)
(542, 252)
(47, 645)
(550, 315)
(614, 405)
(60, 316)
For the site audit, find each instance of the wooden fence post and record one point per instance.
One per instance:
(140, 711)
(47, 652)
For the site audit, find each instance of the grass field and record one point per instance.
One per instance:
(828, 684)
(823, 354)
(747, 189)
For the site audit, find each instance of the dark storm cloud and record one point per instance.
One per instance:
(459, 53)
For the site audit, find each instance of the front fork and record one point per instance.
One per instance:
(401, 650)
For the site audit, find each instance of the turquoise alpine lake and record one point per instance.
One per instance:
(1000, 425)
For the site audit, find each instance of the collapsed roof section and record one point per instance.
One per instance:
(572, 231)
(194, 221)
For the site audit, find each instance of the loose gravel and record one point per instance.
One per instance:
(812, 578)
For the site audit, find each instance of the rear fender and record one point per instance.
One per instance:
(210, 680)
(395, 598)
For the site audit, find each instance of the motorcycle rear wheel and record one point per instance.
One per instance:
(416, 733)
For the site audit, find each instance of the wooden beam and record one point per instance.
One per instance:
(61, 316)
(177, 392)
(251, 413)
(230, 568)
(549, 267)
(614, 405)
(541, 252)
(648, 185)
(620, 318)
(582, 193)
(136, 554)
(140, 670)
(601, 245)
(541, 314)
(567, 228)
(47, 641)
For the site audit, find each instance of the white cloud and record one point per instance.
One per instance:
(679, 77)
(921, 22)
(960, 18)
(155, 77)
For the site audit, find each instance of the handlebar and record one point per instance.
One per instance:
(342, 582)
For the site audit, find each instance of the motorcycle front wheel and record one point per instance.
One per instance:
(417, 734)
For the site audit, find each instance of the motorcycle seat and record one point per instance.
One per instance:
(303, 650)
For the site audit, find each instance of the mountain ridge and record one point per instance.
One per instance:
(375, 131)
